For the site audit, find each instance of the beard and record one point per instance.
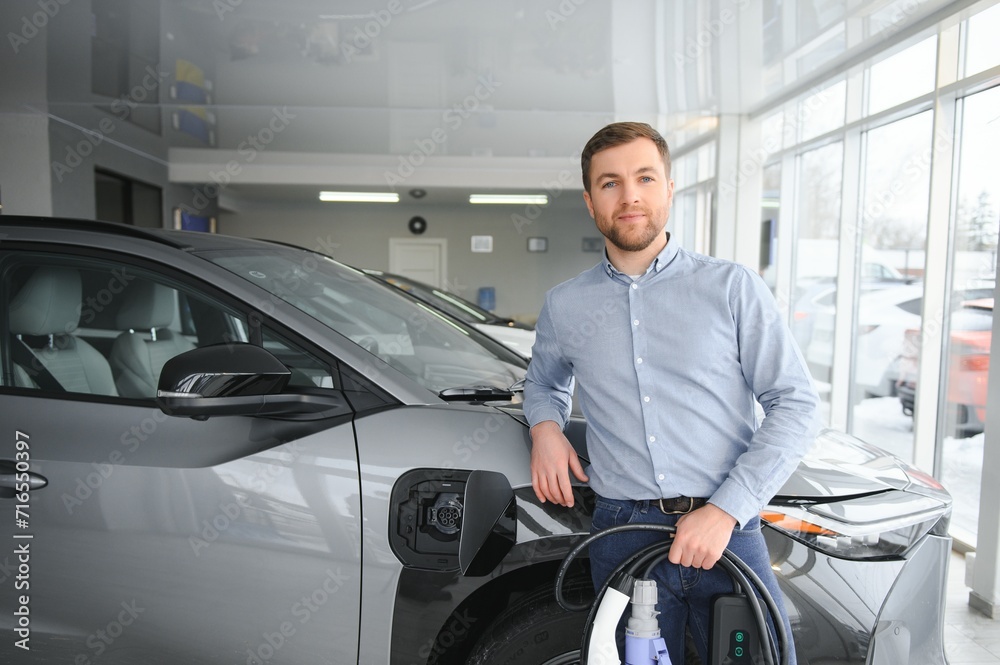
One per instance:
(633, 238)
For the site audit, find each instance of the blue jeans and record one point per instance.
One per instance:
(684, 594)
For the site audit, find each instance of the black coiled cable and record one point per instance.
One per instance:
(744, 579)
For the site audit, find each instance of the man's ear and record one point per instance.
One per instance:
(590, 204)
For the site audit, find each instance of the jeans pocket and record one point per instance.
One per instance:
(605, 515)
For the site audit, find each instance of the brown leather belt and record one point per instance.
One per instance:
(678, 505)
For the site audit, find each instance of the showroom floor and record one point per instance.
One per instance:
(969, 636)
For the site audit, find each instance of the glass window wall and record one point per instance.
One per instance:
(894, 232)
(962, 393)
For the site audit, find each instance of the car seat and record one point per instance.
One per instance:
(138, 355)
(47, 355)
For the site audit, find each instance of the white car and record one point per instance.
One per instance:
(516, 335)
(884, 315)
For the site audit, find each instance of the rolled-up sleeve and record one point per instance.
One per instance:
(548, 386)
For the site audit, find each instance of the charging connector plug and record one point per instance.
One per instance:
(643, 644)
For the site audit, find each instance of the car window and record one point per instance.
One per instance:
(434, 350)
(307, 370)
(88, 326)
(912, 306)
(828, 299)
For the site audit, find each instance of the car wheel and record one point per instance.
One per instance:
(535, 631)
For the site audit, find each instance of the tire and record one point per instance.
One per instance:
(534, 630)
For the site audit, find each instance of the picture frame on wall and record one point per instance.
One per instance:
(538, 244)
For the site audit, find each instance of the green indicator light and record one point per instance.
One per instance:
(739, 652)
(739, 636)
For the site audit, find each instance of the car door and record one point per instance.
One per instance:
(133, 536)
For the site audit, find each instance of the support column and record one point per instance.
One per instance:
(985, 594)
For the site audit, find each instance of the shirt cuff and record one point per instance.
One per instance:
(543, 413)
(737, 501)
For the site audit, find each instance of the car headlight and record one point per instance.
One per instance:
(870, 527)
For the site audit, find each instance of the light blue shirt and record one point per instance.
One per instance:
(668, 367)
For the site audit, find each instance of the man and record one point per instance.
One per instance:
(669, 350)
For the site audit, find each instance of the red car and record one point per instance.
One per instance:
(968, 366)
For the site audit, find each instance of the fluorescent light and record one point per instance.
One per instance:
(359, 197)
(515, 199)
(770, 203)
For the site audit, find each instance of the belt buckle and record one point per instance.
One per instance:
(677, 512)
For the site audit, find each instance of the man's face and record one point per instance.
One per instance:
(630, 194)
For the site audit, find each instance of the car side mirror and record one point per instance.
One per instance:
(234, 379)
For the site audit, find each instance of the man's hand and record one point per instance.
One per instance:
(702, 535)
(552, 457)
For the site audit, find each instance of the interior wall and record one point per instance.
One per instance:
(83, 137)
(358, 234)
(24, 183)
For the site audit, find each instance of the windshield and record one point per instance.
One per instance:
(429, 347)
(455, 306)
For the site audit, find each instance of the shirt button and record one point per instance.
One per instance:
(646, 398)
(638, 360)
(660, 476)
(652, 439)
(634, 285)
(636, 322)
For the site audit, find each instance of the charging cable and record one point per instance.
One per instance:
(621, 582)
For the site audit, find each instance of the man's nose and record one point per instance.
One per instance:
(630, 193)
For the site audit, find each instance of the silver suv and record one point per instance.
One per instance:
(219, 450)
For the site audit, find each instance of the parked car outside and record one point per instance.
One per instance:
(967, 370)
(232, 451)
(883, 316)
(518, 336)
(817, 297)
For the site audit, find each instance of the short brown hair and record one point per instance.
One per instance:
(618, 133)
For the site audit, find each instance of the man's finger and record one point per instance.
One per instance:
(543, 488)
(536, 485)
(577, 468)
(566, 488)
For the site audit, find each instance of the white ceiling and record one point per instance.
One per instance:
(476, 94)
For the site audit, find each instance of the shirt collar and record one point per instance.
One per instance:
(661, 261)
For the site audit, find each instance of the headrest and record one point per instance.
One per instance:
(49, 303)
(146, 305)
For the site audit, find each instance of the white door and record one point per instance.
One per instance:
(422, 259)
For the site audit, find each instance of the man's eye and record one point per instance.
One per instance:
(607, 185)
(646, 178)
